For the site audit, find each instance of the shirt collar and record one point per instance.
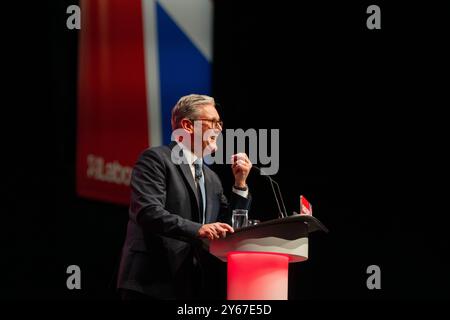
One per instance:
(190, 157)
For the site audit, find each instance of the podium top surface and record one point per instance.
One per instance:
(288, 236)
(312, 223)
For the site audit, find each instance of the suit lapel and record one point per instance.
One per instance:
(187, 174)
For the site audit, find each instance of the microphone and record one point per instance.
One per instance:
(281, 213)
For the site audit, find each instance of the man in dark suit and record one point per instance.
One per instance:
(176, 201)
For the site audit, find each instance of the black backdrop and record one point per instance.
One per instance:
(362, 135)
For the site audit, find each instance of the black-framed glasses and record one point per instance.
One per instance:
(216, 123)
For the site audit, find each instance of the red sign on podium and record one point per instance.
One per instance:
(305, 206)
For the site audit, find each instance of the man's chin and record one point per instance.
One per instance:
(211, 148)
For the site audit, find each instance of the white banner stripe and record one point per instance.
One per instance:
(195, 18)
(152, 72)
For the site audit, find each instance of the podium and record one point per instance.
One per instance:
(258, 256)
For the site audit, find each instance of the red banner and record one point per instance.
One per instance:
(112, 101)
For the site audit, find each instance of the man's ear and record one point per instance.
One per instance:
(187, 125)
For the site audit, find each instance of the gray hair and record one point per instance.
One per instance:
(187, 107)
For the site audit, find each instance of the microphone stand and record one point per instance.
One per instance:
(281, 213)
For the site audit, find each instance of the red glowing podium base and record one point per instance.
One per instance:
(258, 256)
(257, 276)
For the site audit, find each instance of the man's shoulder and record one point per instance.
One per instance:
(158, 152)
(163, 149)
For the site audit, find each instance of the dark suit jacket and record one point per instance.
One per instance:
(161, 242)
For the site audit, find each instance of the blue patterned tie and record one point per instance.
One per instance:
(200, 189)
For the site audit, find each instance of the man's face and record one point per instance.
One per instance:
(209, 128)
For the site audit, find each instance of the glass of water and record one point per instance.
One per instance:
(239, 218)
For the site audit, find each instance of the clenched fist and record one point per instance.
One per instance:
(241, 166)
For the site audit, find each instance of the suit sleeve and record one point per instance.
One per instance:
(148, 197)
